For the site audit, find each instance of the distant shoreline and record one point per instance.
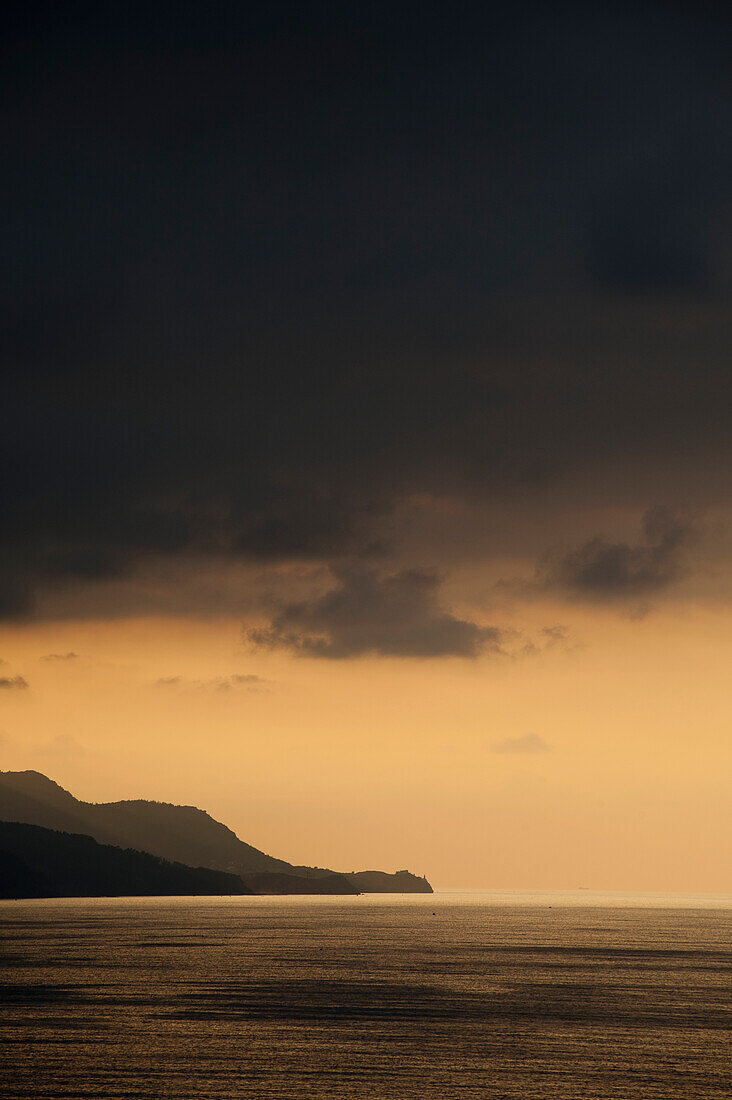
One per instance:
(441, 898)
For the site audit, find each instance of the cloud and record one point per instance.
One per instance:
(529, 743)
(60, 656)
(604, 569)
(554, 635)
(396, 615)
(219, 683)
(9, 682)
(248, 678)
(226, 683)
(16, 597)
(274, 395)
(549, 638)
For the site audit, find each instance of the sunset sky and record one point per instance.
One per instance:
(365, 430)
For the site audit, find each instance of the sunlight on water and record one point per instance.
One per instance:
(491, 995)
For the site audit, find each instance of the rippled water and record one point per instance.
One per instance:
(490, 996)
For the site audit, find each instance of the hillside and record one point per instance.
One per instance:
(41, 863)
(379, 882)
(182, 834)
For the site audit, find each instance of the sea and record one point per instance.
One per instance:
(452, 995)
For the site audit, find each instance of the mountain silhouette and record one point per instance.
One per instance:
(275, 882)
(379, 882)
(41, 863)
(182, 834)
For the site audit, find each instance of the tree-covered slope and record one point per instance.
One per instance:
(38, 862)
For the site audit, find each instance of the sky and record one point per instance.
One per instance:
(364, 429)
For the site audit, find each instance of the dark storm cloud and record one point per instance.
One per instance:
(393, 616)
(10, 682)
(605, 569)
(15, 592)
(271, 271)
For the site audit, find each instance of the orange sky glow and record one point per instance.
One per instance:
(601, 760)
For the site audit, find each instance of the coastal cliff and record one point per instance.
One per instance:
(181, 834)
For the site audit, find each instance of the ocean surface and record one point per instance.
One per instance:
(458, 995)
